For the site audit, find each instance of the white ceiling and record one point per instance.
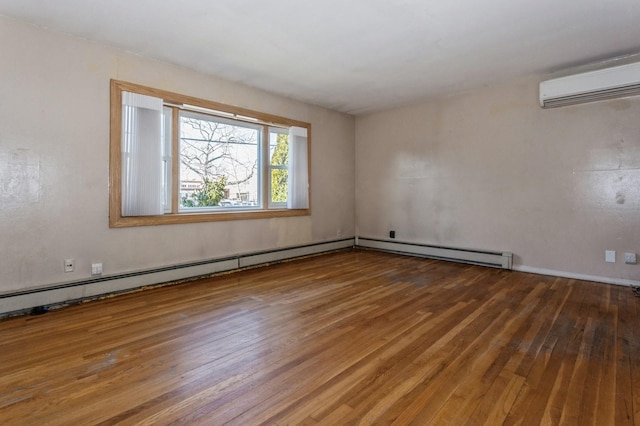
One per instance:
(354, 56)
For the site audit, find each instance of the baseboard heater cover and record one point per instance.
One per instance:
(496, 259)
(19, 302)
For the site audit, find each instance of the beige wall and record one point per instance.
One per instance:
(54, 136)
(490, 169)
(487, 169)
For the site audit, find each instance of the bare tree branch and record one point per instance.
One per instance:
(211, 152)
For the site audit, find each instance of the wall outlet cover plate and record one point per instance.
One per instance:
(610, 256)
(96, 268)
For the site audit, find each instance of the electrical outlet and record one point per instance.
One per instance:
(96, 269)
(69, 265)
(630, 258)
(392, 234)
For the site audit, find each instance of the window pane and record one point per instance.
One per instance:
(218, 163)
(278, 161)
(278, 148)
(279, 185)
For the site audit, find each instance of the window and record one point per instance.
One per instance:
(178, 159)
(278, 167)
(221, 157)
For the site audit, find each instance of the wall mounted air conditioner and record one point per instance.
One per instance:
(614, 82)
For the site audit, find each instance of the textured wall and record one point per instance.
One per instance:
(54, 168)
(490, 169)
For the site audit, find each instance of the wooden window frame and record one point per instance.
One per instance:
(116, 220)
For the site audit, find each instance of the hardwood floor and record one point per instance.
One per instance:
(351, 337)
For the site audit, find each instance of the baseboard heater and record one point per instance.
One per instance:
(496, 259)
(19, 302)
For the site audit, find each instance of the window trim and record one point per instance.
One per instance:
(116, 220)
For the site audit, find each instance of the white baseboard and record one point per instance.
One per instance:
(583, 277)
(279, 255)
(60, 293)
(18, 302)
(495, 259)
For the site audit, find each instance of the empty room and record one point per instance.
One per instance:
(295, 212)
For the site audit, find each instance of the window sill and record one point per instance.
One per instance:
(171, 219)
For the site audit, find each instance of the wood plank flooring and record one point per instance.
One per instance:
(345, 338)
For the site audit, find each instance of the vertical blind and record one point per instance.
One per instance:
(142, 193)
(298, 169)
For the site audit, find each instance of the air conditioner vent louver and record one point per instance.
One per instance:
(609, 83)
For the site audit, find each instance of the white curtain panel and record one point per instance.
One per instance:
(298, 169)
(142, 193)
